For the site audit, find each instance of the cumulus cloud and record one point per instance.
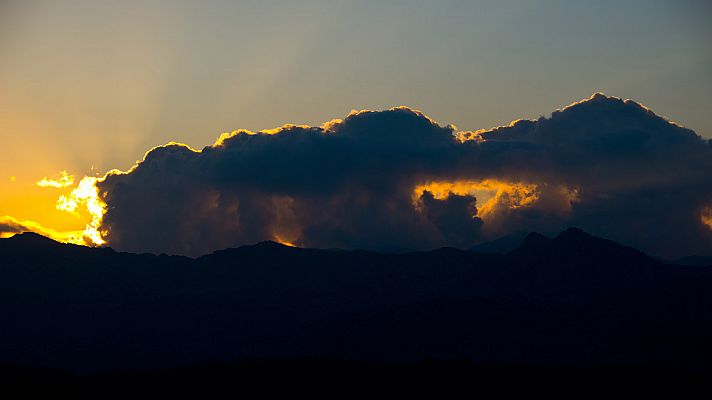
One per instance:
(63, 180)
(395, 179)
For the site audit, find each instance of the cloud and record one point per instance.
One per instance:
(707, 216)
(86, 195)
(396, 179)
(64, 180)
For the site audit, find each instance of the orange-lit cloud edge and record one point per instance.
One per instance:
(492, 196)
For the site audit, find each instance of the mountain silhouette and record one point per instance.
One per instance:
(693, 260)
(502, 245)
(573, 299)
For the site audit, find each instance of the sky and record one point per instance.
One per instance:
(89, 86)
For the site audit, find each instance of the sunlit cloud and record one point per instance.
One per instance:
(228, 135)
(706, 217)
(279, 239)
(489, 193)
(86, 195)
(64, 180)
(396, 179)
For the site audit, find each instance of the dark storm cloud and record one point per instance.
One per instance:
(606, 165)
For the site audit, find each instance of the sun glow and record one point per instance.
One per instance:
(86, 194)
(706, 216)
(283, 241)
(490, 194)
(19, 225)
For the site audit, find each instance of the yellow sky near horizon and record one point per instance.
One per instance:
(24, 200)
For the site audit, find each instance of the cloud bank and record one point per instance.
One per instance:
(395, 179)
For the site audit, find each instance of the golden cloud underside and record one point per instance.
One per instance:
(706, 216)
(490, 194)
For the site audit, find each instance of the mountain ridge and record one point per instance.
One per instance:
(573, 298)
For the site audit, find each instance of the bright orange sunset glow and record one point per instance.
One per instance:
(53, 207)
(706, 217)
(489, 194)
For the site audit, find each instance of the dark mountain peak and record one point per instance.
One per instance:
(532, 241)
(574, 246)
(269, 244)
(447, 250)
(259, 249)
(573, 233)
(694, 261)
(30, 244)
(568, 239)
(32, 239)
(501, 245)
(29, 236)
(575, 238)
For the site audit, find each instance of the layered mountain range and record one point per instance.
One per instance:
(571, 299)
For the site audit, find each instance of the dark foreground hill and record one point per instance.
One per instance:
(567, 304)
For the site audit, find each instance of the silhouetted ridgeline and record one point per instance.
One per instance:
(574, 300)
(338, 379)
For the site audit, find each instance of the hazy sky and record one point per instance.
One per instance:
(96, 83)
